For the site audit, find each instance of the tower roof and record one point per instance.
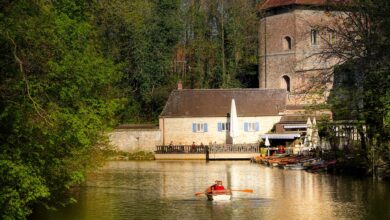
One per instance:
(268, 4)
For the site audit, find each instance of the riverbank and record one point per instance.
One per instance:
(126, 156)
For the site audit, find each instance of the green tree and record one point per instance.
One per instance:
(141, 35)
(220, 43)
(57, 97)
(363, 42)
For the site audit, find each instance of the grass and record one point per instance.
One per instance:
(122, 155)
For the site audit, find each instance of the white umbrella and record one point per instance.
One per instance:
(267, 144)
(314, 123)
(309, 131)
(234, 131)
(315, 135)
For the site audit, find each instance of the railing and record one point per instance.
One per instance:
(236, 148)
(181, 149)
(202, 149)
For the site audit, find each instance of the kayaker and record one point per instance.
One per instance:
(216, 188)
(218, 185)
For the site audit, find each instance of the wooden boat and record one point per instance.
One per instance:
(312, 163)
(323, 166)
(220, 195)
(297, 166)
(275, 164)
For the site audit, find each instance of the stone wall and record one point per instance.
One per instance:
(131, 140)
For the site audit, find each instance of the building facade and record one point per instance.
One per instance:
(203, 115)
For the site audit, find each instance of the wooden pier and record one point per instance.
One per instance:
(207, 152)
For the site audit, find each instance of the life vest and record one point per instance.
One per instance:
(217, 187)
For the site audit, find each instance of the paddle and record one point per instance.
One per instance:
(239, 190)
(199, 193)
(243, 190)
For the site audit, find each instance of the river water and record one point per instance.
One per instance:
(165, 190)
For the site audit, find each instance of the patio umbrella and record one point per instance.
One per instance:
(267, 144)
(315, 136)
(309, 131)
(234, 131)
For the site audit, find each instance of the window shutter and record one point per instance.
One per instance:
(205, 127)
(246, 126)
(193, 127)
(257, 127)
(219, 126)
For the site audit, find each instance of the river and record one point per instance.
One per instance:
(165, 190)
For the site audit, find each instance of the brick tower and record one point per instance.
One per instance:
(290, 46)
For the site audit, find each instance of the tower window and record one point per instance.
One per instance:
(286, 83)
(314, 36)
(287, 43)
(332, 37)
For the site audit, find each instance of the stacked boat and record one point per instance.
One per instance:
(296, 162)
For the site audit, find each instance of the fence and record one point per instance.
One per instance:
(237, 148)
(201, 149)
(181, 149)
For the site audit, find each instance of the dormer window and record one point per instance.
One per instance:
(287, 43)
(314, 36)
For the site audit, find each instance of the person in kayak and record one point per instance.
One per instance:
(216, 188)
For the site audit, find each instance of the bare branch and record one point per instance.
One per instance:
(38, 109)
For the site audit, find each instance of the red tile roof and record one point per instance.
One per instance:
(137, 126)
(216, 102)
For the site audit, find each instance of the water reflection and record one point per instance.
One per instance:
(165, 190)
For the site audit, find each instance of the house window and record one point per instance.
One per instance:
(223, 126)
(287, 43)
(251, 126)
(199, 127)
(314, 36)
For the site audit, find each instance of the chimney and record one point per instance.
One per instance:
(179, 85)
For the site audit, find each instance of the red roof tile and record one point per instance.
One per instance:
(216, 102)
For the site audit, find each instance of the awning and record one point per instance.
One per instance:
(280, 136)
(295, 126)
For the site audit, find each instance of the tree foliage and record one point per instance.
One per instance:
(219, 44)
(362, 90)
(205, 44)
(70, 69)
(57, 96)
(141, 35)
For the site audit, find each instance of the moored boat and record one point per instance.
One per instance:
(323, 166)
(297, 166)
(275, 164)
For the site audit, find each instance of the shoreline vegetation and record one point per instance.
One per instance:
(129, 156)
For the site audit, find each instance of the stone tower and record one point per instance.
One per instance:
(290, 46)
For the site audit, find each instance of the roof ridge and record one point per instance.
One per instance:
(269, 4)
(232, 89)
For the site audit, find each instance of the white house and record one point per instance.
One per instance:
(203, 115)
